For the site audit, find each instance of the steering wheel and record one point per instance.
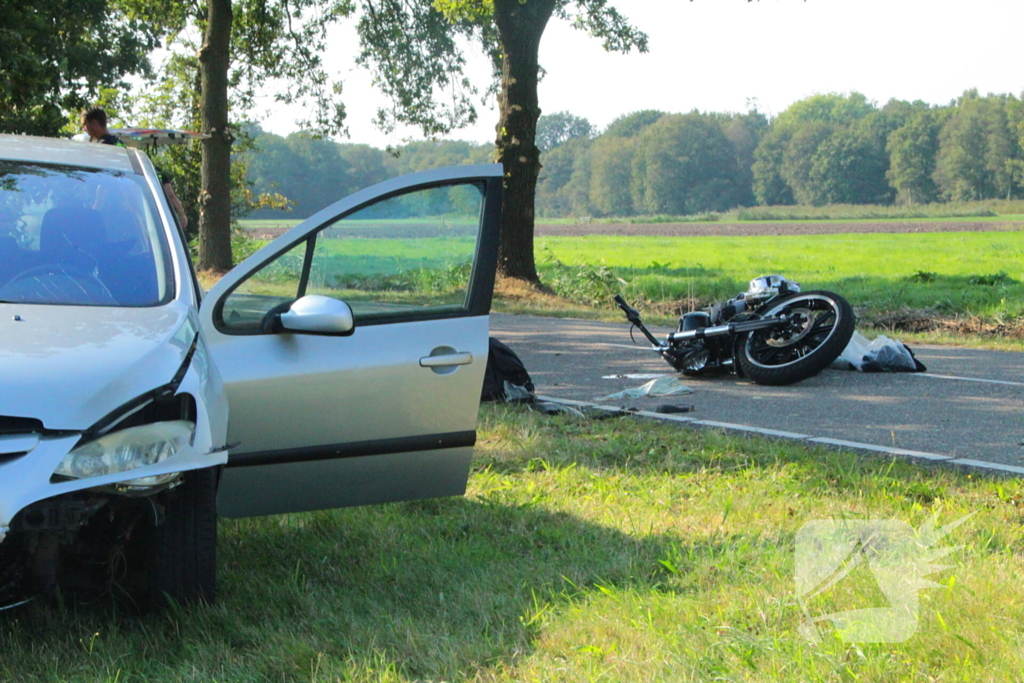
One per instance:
(88, 283)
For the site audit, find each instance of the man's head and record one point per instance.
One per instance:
(94, 122)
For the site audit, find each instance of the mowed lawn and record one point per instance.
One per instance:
(584, 550)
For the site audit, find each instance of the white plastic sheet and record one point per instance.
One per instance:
(880, 354)
(663, 386)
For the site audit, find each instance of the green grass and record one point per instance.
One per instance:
(945, 274)
(972, 283)
(613, 550)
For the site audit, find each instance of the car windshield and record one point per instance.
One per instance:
(80, 236)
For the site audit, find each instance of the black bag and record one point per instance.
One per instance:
(506, 378)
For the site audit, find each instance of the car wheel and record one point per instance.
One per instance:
(181, 562)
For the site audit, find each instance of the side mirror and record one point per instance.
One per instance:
(318, 314)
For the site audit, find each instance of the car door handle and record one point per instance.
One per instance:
(444, 360)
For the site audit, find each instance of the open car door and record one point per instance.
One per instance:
(353, 347)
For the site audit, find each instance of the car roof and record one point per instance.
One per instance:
(65, 152)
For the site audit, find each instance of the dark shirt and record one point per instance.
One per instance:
(109, 139)
(165, 179)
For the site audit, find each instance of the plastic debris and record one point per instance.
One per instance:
(880, 354)
(663, 386)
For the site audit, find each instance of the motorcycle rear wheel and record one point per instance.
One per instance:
(820, 326)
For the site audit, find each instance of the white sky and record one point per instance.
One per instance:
(713, 55)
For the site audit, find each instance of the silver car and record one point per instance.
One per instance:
(339, 365)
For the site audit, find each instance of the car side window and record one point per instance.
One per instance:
(404, 257)
(273, 285)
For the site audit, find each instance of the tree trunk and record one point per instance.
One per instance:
(215, 189)
(520, 28)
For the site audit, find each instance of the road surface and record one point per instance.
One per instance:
(968, 405)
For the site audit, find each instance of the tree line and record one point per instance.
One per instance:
(825, 149)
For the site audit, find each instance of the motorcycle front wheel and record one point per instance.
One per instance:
(819, 325)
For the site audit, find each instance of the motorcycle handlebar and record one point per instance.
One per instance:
(626, 308)
(633, 316)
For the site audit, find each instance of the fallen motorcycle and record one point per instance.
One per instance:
(773, 333)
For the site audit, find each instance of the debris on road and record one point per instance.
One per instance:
(667, 385)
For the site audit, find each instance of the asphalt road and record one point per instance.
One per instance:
(969, 404)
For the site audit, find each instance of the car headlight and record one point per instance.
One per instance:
(128, 449)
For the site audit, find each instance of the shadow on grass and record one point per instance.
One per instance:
(431, 589)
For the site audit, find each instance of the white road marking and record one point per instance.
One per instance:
(970, 379)
(988, 465)
(792, 435)
(756, 430)
(670, 417)
(965, 462)
(882, 449)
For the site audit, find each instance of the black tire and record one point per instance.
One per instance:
(821, 325)
(182, 552)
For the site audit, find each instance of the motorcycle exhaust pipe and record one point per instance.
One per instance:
(730, 328)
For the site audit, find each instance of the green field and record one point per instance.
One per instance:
(972, 279)
(971, 273)
(584, 550)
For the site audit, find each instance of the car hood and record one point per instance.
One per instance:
(69, 366)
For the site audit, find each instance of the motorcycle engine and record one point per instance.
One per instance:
(763, 288)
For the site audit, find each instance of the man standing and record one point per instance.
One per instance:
(94, 122)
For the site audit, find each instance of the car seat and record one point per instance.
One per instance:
(72, 237)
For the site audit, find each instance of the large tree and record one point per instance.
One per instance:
(978, 149)
(744, 132)
(912, 149)
(563, 187)
(687, 166)
(611, 168)
(55, 57)
(245, 45)
(554, 129)
(417, 60)
(784, 167)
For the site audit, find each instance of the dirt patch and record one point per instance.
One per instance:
(771, 228)
(913, 320)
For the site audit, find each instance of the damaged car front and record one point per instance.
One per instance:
(113, 420)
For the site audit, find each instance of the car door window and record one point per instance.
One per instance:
(275, 284)
(408, 256)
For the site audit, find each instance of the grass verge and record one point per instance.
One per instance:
(612, 550)
(962, 287)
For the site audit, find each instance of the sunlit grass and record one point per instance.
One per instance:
(974, 276)
(965, 288)
(612, 550)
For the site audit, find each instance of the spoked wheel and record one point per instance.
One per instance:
(819, 326)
